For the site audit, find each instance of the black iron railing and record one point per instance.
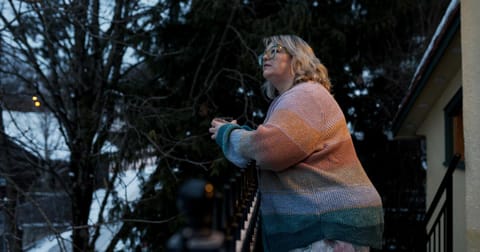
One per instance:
(439, 233)
(220, 219)
(238, 205)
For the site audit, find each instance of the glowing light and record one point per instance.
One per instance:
(209, 190)
(36, 101)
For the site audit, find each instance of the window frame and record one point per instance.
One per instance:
(451, 111)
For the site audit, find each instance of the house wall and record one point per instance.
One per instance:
(471, 108)
(433, 128)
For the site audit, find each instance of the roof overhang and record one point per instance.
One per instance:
(440, 62)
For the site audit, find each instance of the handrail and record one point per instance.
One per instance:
(451, 168)
(219, 220)
(444, 215)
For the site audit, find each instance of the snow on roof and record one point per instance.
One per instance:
(37, 132)
(436, 36)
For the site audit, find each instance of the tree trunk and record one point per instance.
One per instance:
(13, 235)
(82, 190)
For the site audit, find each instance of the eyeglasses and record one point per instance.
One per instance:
(270, 53)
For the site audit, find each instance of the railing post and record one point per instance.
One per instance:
(226, 220)
(445, 243)
(196, 200)
(449, 216)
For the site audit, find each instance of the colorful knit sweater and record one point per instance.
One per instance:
(312, 184)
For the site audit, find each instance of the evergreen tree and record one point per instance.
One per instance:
(197, 59)
(208, 68)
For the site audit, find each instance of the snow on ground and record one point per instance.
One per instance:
(128, 188)
(40, 134)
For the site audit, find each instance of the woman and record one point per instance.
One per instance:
(315, 194)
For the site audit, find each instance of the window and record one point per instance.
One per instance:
(454, 142)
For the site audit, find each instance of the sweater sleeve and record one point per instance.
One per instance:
(227, 141)
(268, 146)
(279, 144)
(302, 121)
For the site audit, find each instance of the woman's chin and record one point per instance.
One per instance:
(267, 74)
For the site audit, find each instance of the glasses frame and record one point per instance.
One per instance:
(271, 53)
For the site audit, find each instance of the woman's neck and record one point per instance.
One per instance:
(283, 86)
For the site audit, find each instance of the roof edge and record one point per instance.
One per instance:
(444, 34)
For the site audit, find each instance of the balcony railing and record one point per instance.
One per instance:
(439, 231)
(224, 219)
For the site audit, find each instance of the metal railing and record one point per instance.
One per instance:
(223, 219)
(439, 236)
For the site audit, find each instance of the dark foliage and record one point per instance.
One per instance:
(208, 68)
(200, 62)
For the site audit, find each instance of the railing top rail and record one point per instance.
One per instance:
(451, 168)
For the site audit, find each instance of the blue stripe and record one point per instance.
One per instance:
(358, 226)
(320, 201)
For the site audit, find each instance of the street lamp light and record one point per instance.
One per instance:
(36, 102)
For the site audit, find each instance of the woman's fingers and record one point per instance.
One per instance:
(214, 128)
(216, 123)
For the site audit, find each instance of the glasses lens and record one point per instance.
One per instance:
(273, 52)
(269, 53)
(260, 59)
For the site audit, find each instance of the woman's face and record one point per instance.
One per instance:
(277, 65)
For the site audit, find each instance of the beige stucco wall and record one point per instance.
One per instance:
(434, 131)
(427, 118)
(470, 29)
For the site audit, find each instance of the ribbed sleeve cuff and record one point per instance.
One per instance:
(223, 134)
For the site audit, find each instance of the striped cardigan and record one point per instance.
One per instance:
(312, 184)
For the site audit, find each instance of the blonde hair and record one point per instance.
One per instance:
(305, 65)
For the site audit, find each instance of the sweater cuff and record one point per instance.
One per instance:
(223, 134)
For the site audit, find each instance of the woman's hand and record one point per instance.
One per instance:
(216, 124)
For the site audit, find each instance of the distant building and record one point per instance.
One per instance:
(27, 178)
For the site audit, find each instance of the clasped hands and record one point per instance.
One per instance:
(216, 124)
